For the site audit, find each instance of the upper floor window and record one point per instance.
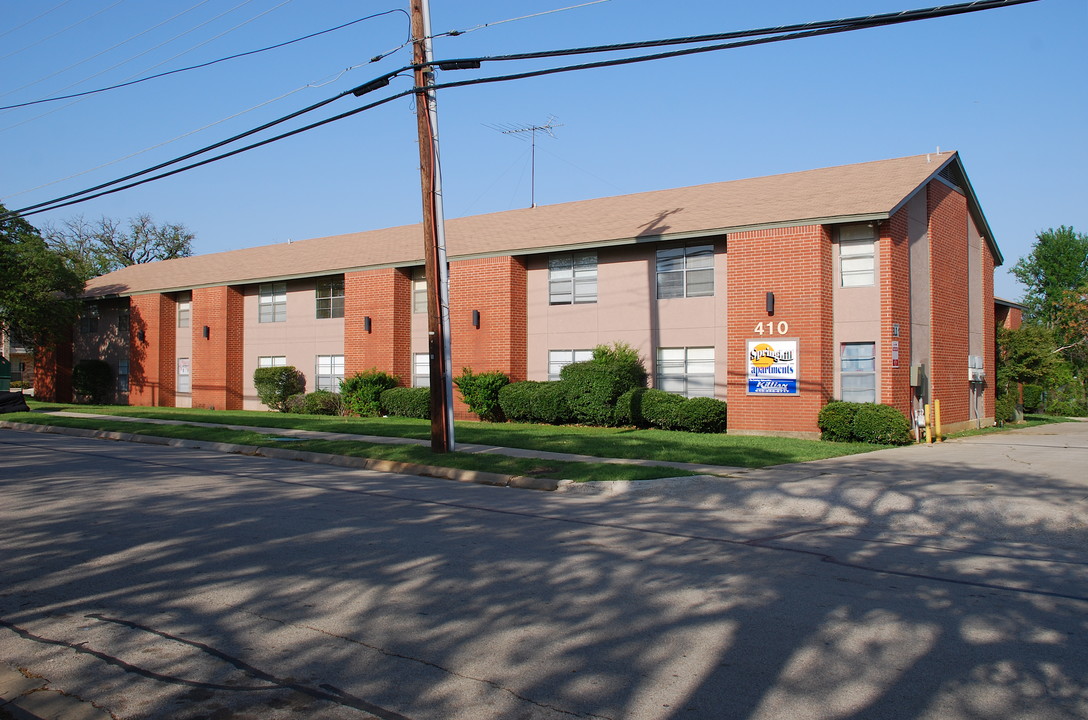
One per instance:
(685, 271)
(273, 302)
(572, 278)
(330, 371)
(272, 361)
(686, 371)
(185, 311)
(857, 372)
(857, 255)
(419, 291)
(330, 298)
(88, 321)
(559, 359)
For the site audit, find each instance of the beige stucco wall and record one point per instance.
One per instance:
(856, 311)
(628, 311)
(183, 348)
(301, 338)
(921, 299)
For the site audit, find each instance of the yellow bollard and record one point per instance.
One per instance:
(929, 428)
(937, 419)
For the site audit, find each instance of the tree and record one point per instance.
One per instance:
(93, 249)
(1058, 262)
(39, 292)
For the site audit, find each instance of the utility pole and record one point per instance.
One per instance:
(437, 268)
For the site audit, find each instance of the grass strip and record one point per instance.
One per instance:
(501, 464)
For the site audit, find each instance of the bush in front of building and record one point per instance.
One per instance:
(629, 408)
(661, 409)
(276, 384)
(516, 400)
(701, 415)
(1033, 397)
(92, 381)
(413, 402)
(322, 402)
(548, 404)
(362, 391)
(1005, 408)
(481, 393)
(842, 421)
(594, 386)
(836, 421)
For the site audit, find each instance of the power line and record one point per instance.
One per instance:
(824, 28)
(200, 65)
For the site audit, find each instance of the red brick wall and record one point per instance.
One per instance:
(894, 272)
(217, 359)
(951, 311)
(795, 264)
(385, 296)
(496, 287)
(53, 373)
(151, 360)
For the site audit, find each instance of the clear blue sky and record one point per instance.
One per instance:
(1006, 88)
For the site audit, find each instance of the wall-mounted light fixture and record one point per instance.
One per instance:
(366, 323)
(207, 332)
(770, 303)
(140, 335)
(476, 319)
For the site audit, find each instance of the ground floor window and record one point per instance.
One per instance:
(122, 375)
(559, 359)
(857, 369)
(686, 371)
(421, 370)
(185, 378)
(330, 371)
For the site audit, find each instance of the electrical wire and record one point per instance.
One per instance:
(824, 29)
(36, 17)
(455, 33)
(62, 30)
(205, 64)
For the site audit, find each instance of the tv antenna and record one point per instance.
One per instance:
(518, 132)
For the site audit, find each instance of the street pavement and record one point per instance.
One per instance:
(946, 581)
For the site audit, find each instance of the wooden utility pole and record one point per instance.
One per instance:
(437, 268)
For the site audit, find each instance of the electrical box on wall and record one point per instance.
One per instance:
(916, 374)
(975, 371)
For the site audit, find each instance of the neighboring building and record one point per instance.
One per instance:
(776, 294)
(1008, 314)
(21, 358)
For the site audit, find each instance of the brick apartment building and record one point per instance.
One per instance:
(868, 282)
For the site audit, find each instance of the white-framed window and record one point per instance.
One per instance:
(272, 361)
(572, 278)
(330, 371)
(685, 271)
(122, 375)
(421, 370)
(419, 291)
(559, 359)
(185, 311)
(857, 255)
(686, 371)
(857, 372)
(330, 298)
(185, 378)
(272, 306)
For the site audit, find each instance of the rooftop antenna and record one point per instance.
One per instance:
(516, 131)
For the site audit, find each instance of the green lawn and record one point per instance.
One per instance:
(727, 450)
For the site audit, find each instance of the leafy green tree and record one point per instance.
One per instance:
(39, 293)
(1058, 262)
(95, 248)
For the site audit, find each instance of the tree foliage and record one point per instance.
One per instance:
(1058, 263)
(39, 293)
(95, 248)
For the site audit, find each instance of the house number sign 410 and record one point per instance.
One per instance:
(772, 328)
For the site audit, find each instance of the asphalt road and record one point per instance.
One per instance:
(151, 582)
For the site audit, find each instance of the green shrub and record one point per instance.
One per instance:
(548, 404)
(296, 404)
(362, 391)
(1005, 408)
(836, 421)
(1033, 397)
(92, 380)
(882, 425)
(629, 408)
(322, 402)
(625, 361)
(276, 384)
(412, 402)
(594, 386)
(701, 415)
(481, 393)
(660, 409)
(516, 400)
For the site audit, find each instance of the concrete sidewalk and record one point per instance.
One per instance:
(24, 696)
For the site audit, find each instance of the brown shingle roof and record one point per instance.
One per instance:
(861, 191)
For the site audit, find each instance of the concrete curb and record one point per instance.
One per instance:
(471, 476)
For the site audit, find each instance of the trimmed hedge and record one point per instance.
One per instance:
(412, 402)
(481, 393)
(864, 422)
(548, 403)
(702, 415)
(276, 384)
(362, 391)
(661, 409)
(516, 400)
(594, 386)
(322, 402)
